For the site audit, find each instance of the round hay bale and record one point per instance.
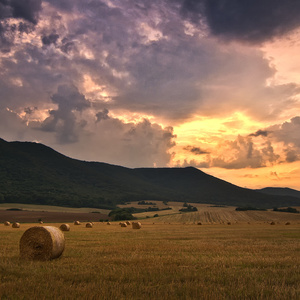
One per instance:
(228, 223)
(42, 243)
(89, 225)
(287, 223)
(123, 225)
(108, 223)
(272, 223)
(77, 223)
(64, 227)
(136, 225)
(6, 223)
(128, 222)
(15, 225)
(199, 223)
(41, 222)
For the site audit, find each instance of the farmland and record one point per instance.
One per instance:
(210, 214)
(159, 261)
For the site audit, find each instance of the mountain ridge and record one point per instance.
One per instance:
(36, 174)
(280, 191)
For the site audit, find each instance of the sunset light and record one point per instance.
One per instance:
(164, 84)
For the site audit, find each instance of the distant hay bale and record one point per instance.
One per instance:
(199, 223)
(272, 223)
(123, 224)
(89, 225)
(77, 223)
(228, 223)
(42, 243)
(15, 225)
(136, 225)
(108, 223)
(6, 223)
(287, 223)
(64, 227)
(128, 222)
(41, 222)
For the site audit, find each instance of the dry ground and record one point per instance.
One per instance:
(206, 214)
(210, 214)
(159, 261)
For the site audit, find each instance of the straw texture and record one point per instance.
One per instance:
(136, 225)
(64, 227)
(42, 243)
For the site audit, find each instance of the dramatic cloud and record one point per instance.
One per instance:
(109, 80)
(250, 21)
(63, 120)
(25, 14)
(25, 9)
(113, 141)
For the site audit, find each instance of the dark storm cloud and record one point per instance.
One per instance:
(25, 9)
(102, 115)
(195, 150)
(50, 39)
(260, 133)
(251, 21)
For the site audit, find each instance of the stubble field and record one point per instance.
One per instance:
(158, 261)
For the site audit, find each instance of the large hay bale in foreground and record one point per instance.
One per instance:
(6, 223)
(42, 243)
(136, 225)
(77, 223)
(89, 225)
(64, 227)
(15, 225)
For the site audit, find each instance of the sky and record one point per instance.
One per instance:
(213, 84)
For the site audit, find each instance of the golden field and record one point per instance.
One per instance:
(159, 261)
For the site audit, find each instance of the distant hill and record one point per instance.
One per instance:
(280, 191)
(36, 174)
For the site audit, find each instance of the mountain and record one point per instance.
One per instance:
(36, 174)
(280, 191)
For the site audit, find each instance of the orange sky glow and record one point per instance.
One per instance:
(157, 84)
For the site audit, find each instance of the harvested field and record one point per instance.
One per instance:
(208, 214)
(161, 261)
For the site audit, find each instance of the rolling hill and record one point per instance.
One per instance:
(36, 174)
(280, 191)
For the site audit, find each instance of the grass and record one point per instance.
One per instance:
(159, 261)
